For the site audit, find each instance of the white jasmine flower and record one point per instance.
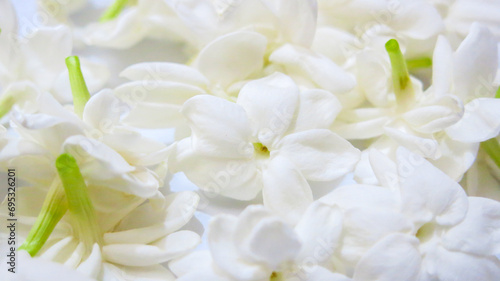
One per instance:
(126, 23)
(259, 246)
(441, 223)
(459, 16)
(360, 24)
(241, 49)
(221, 69)
(448, 225)
(98, 141)
(160, 89)
(265, 141)
(33, 64)
(433, 121)
(131, 247)
(199, 22)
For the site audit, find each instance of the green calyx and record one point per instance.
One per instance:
(81, 210)
(114, 10)
(419, 63)
(401, 82)
(78, 87)
(492, 148)
(53, 209)
(6, 104)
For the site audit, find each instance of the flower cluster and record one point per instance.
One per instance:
(253, 140)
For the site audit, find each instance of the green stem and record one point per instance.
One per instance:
(498, 93)
(53, 209)
(400, 77)
(492, 148)
(114, 10)
(419, 63)
(78, 87)
(80, 206)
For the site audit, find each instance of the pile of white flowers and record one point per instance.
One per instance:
(327, 140)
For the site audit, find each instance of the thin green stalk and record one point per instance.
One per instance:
(419, 63)
(80, 206)
(78, 87)
(114, 10)
(53, 209)
(401, 82)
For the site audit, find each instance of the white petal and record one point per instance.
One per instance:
(285, 191)
(155, 104)
(225, 254)
(165, 71)
(320, 155)
(219, 127)
(425, 145)
(316, 67)
(442, 66)
(170, 247)
(319, 231)
(384, 168)
(361, 130)
(417, 19)
(439, 114)
(319, 273)
(427, 193)
(92, 266)
(190, 263)
(297, 19)
(479, 233)
(234, 178)
(270, 104)
(9, 19)
(50, 132)
(357, 196)
(317, 110)
(232, 57)
(456, 158)
(395, 257)
(476, 63)
(117, 33)
(145, 152)
(145, 224)
(334, 43)
(272, 242)
(41, 54)
(8, 22)
(111, 205)
(42, 270)
(480, 122)
(456, 266)
(374, 76)
(94, 158)
(102, 110)
(130, 273)
(41, 168)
